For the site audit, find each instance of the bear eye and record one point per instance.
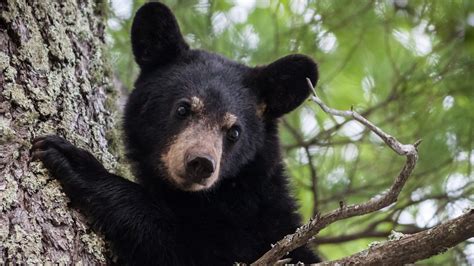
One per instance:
(233, 133)
(183, 110)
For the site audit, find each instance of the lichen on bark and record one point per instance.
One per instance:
(54, 80)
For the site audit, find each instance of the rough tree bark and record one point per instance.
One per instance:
(54, 80)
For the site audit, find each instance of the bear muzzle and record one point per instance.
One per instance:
(193, 157)
(199, 167)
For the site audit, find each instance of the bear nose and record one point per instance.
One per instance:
(200, 166)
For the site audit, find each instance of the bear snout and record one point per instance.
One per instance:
(193, 157)
(199, 166)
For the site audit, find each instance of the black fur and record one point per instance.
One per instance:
(156, 39)
(153, 222)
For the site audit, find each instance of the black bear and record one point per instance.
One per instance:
(201, 132)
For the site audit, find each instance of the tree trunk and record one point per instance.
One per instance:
(54, 80)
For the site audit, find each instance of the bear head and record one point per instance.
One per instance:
(196, 118)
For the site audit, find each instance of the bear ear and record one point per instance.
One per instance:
(156, 38)
(282, 85)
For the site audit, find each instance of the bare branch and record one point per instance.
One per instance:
(355, 236)
(317, 223)
(393, 143)
(411, 248)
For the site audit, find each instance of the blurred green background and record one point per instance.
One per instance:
(408, 66)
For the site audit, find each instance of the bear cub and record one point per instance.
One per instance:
(201, 132)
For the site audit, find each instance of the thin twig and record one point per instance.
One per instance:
(406, 249)
(401, 149)
(317, 223)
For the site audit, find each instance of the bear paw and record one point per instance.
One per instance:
(63, 159)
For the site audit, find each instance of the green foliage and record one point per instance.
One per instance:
(408, 64)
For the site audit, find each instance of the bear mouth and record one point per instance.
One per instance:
(197, 185)
(186, 183)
